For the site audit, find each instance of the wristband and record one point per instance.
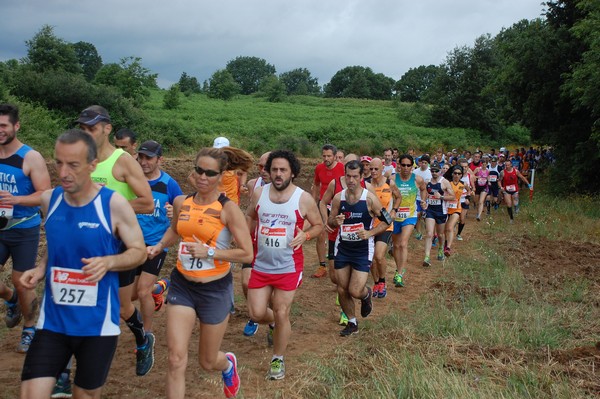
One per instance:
(307, 235)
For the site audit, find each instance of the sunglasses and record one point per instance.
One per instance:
(456, 173)
(373, 168)
(406, 165)
(207, 172)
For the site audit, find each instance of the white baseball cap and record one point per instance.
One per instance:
(221, 142)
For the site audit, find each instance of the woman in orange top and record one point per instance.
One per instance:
(202, 284)
(454, 208)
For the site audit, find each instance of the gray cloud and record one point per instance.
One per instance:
(199, 37)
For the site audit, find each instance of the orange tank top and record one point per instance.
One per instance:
(454, 206)
(204, 222)
(384, 193)
(229, 185)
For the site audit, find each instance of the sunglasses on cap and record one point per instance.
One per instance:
(207, 172)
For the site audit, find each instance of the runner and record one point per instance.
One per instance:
(454, 176)
(164, 190)
(390, 197)
(118, 171)
(409, 185)
(509, 182)
(493, 179)
(87, 227)
(126, 139)
(353, 211)
(424, 172)
(24, 178)
(389, 166)
(339, 156)
(278, 210)
(325, 172)
(468, 182)
(263, 178)
(438, 192)
(202, 283)
(482, 175)
(365, 160)
(233, 182)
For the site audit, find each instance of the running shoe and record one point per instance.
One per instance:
(495, 207)
(26, 338)
(321, 272)
(426, 262)
(382, 293)
(447, 251)
(478, 218)
(458, 237)
(343, 319)
(351, 328)
(251, 328)
(419, 236)
(375, 290)
(270, 335)
(440, 255)
(13, 314)
(366, 304)
(62, 388)
(231, 380)
(277, 370)
(398, 279)
(516, 209)
(145, 356)
(434, 241)
(161, 286)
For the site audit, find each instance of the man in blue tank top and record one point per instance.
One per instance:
(353, 211)
(164, 190)
(23, 179)
(86, 224)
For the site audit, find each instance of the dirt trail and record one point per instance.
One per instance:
(314, 327)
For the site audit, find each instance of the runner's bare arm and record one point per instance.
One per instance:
(327, 197)
(233, 217)
(170, 236)
(130, 171)
(34, 165)
(308, 208)
(251, 215)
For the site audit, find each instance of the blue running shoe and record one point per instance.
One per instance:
(251, 328)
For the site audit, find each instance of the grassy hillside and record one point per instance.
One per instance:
(300, 123)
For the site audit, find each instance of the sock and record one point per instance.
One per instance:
(324, 264)
(136, 326)
(510, 212)
(445, 243)
(272, 326)
(30, 330)
(488, 204)
(277, 357)
(352, 320)
(229, 369)
(366, 296)
(381, 280)
(461, 226)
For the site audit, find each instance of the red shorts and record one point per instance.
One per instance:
(284, 282)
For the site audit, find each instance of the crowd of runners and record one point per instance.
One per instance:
(114, 214)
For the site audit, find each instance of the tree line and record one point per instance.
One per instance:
(538, 78)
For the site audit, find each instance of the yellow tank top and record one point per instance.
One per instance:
(204, 222)
(103, 175)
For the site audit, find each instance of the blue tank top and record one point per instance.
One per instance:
(435, 205)
(164, 189)
(71, 305)
(357, 217)
(13, 180)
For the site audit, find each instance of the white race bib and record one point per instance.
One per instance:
(511, 187)
(481, 181)
(493, 178)
(190, 263)
(403, 213)
(69, 287)
(273, 237)
(434, 201)
(452, 204)
(349, 232)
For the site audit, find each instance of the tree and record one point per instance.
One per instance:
(273, 88)
(414, 85)
(248, 72)
(46, 52)
(129, 77)
(299, 82)
(171, 98)
(222, 85)
(359, 82)
(88, 58)
(189, 84)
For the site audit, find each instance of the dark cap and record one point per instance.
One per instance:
(150, 148)
(435, 166)
(92, 115)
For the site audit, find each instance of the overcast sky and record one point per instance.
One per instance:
(324, 36)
